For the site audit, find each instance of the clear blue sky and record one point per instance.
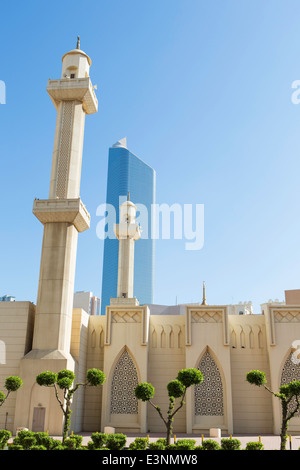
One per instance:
(202, 90)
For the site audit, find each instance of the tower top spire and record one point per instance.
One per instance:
(78, 43)
(204, 298)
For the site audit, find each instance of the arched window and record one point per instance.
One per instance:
(290, 372)
(124, 381)
(209, 394)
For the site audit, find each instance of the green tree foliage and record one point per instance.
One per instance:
(289, 396)
(4, 438)
(63, 381)
(12, 384)
(176, 389)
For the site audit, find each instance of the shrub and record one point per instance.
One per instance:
(210, 444)
(171, 447)
(58, 447)
(73, 442)
(185, 444)
(254, 446)
(38, 448)
(162, 440)
(156, 445)
(15, 447)
(230, 444)
(44, 440)
(115, 441)
(26, 439)
(4, 438)
(140, 443)
(28, 442)
(98, 440)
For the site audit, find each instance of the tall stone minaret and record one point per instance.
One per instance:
(127, 232)
(63, 214)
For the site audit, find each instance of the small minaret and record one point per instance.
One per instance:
(63, 213)
(127, 232)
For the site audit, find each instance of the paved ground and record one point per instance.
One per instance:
(270, 442)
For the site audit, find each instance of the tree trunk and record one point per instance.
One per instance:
(284, 426)
(67, 415)
(169, 432)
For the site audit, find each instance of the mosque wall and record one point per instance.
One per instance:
(94, 359)
(16, 331)
(252, 406)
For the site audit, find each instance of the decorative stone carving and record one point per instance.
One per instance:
(289, 373)
(209, 394)
(287, 316)
(207, 316)
(125, 317)
(124, 381)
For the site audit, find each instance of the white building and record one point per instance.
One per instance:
(88, 302)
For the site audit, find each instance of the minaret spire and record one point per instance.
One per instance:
(204, 298)
(78, 43)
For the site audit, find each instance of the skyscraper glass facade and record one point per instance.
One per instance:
(128, 173)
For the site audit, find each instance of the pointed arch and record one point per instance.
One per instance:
(209, 396)
(123, 382)
(290, 371)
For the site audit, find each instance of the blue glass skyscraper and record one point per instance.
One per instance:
(129, 174)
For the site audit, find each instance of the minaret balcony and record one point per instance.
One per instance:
(124, 231)
(72, 211)
(68, 89)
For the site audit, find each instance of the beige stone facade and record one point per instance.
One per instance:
(130, 345)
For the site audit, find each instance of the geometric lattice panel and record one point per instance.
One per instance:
(209, 394)
(124, 381)
(63, 163)
(289, 373)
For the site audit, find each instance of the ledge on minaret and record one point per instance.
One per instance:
(71, 211)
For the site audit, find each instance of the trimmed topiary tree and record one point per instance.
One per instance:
(116, 441)
(210, 444)
(254, 446)
(98, 440)
(4, 438)
(63, 380)
(176, 389)
(230, 444)
(289, 396)
(12, 384)
(140, 443)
